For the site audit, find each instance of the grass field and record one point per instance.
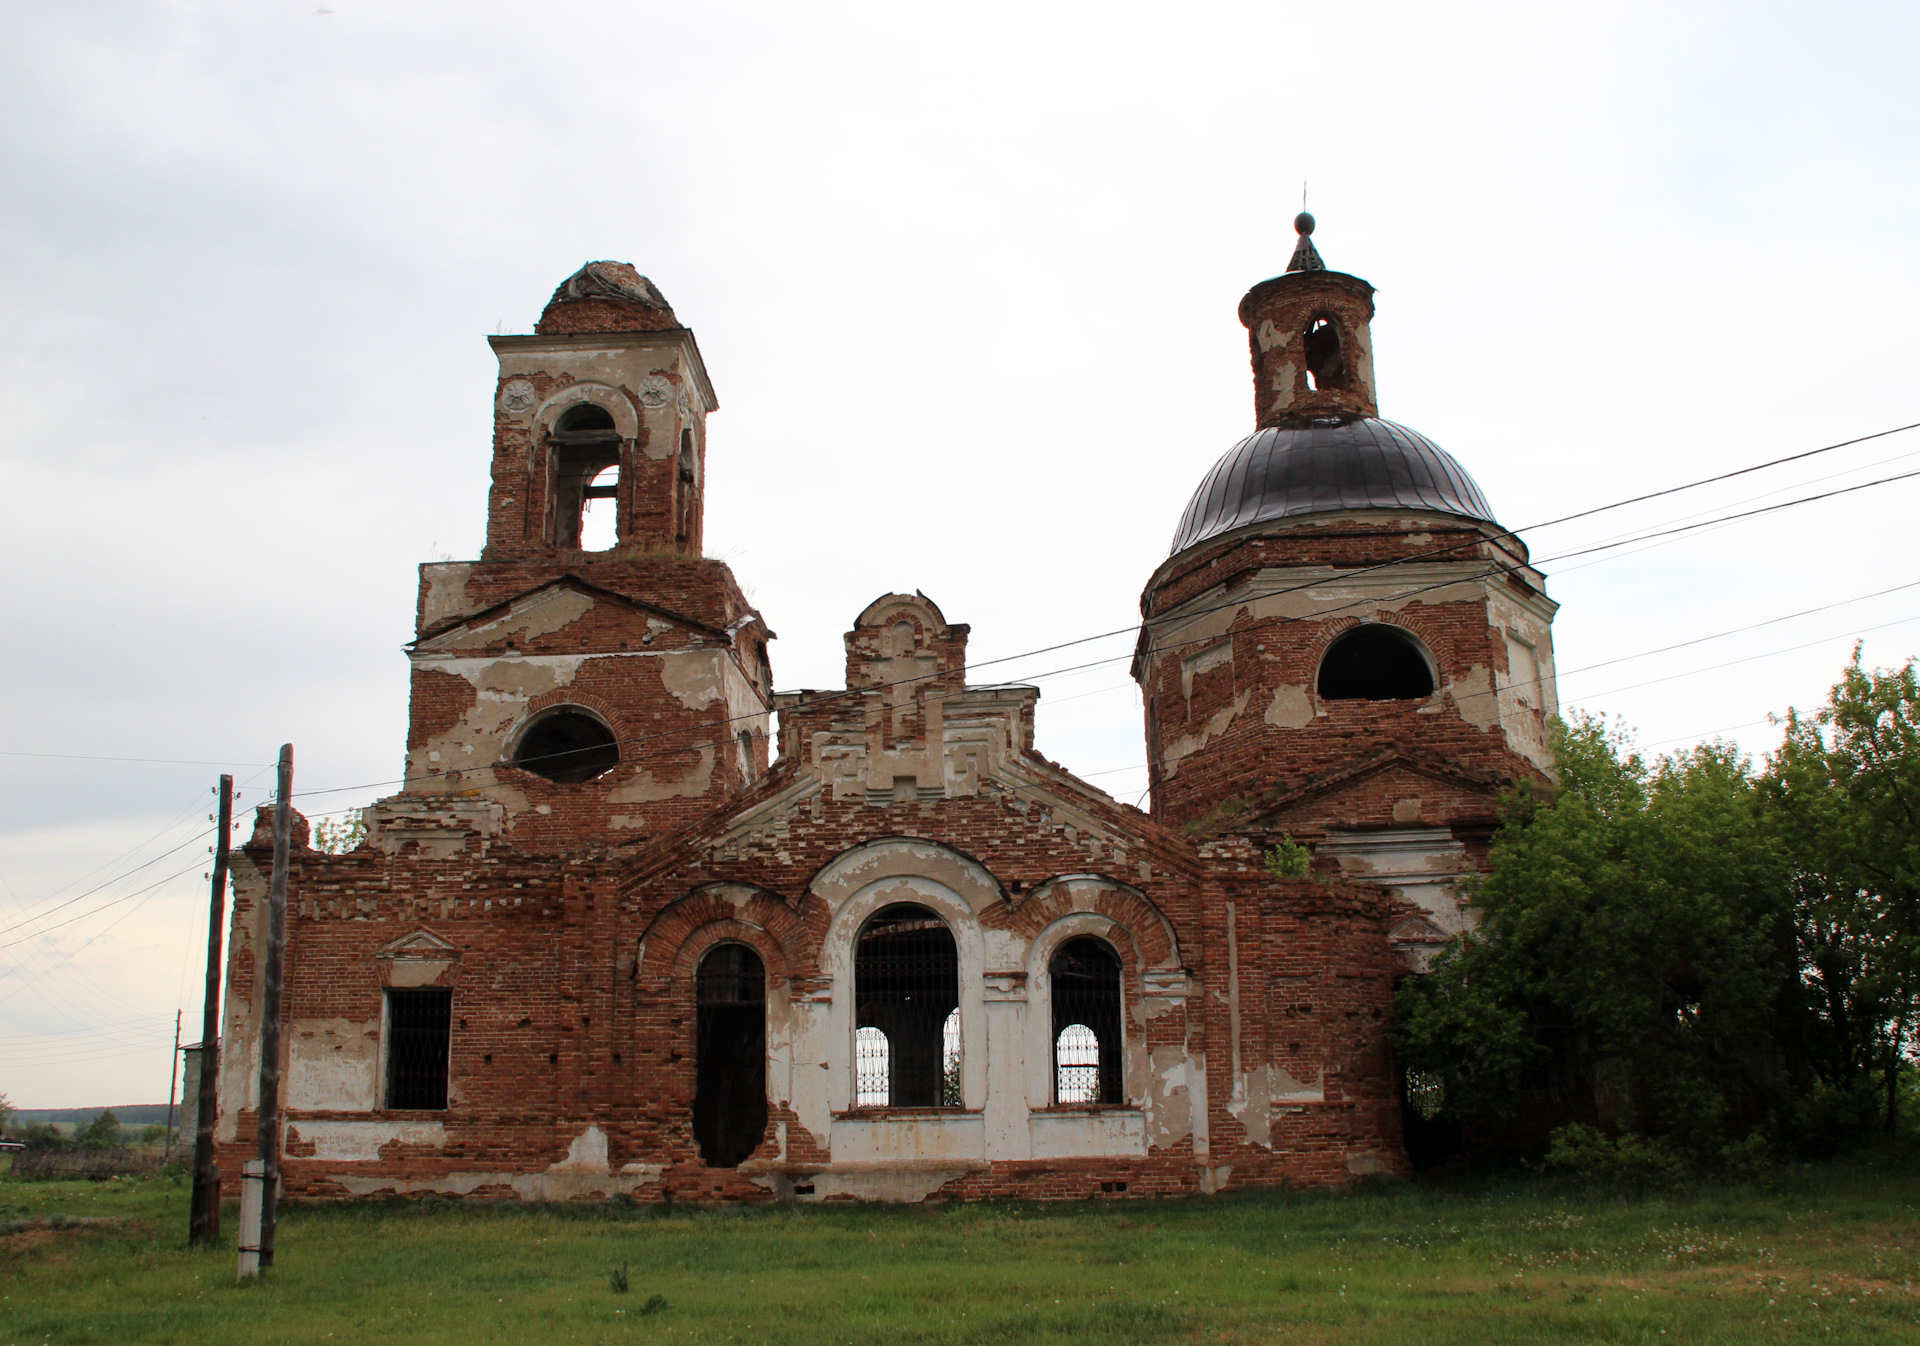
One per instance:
(1827, 1254)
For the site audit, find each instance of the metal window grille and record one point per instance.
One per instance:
(950, 1061)
(730, 1093)
(1085, 973)
(1076, 1054)
(870, 1069)
(1426, 1093)
(731, 974)
(907, 985)
(419, 1029)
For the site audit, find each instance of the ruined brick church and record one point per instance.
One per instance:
(639, 924)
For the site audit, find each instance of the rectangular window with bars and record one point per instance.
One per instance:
(419, 1033)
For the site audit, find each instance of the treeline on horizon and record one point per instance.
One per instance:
(132, 1114)
(1694, 964)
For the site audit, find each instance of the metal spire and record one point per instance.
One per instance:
(1304, 256)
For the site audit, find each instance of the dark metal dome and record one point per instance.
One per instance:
(1362, 464)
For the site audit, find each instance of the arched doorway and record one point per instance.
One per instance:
(730, 1103)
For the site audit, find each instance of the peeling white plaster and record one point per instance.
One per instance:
(361, 1142)
(1187, 744)
(1291, 707)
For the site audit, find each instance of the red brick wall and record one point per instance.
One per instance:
(556, 1029)
(1253, 763)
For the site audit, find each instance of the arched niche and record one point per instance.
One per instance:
(1153, 981)
(852, 910)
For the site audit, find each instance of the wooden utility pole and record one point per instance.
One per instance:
(258, 1256)
(173, 1083)
(203, 1215)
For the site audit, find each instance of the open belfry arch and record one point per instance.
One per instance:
(637, 924)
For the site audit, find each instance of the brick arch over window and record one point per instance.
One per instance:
(779, 931)
(567, 696)
(906, 857)
(1075, 906)
(614, 401)
(1436, 649)
(1141, 933)
(623, 733)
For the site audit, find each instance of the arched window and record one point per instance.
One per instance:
(1326, 364)
(1375, 662)
(684, 489)
(906, 987)
(585, 467)
(1085, 973)
(730, 1047)
(567, 746)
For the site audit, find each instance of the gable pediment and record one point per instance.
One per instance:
(1419, 787)
(1417, 930)
(421, 946)
(539, 611)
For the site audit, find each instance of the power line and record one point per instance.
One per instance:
(1240, 602)
(1700, 640)
(1844, 635)
(91, 757)
(7, 930)
(1182, 617)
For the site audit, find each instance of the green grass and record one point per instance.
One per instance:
(1828, 1254)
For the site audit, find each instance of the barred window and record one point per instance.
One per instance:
(1085, 973)
(906, 981)
(419, 1032)
(950, 1061)
(1076, 1055)
(870, 1069)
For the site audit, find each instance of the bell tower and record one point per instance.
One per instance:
(603, 409)
(592, 678)
(1308, 330)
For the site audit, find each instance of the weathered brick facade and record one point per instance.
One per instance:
(591, 812)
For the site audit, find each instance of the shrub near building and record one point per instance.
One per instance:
(1690, 960)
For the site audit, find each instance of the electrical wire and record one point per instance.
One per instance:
(6, 930)
(161, 761)
(45, 930)
(1632, 539)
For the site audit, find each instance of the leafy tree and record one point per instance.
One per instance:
(102, 1133)
(44, 1136)
(337, 836)
(1288, 859)
(1633, 954)
(1845, 787)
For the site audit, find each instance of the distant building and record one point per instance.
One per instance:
(612, 938)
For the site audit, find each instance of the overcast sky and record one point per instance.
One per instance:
(965, 278)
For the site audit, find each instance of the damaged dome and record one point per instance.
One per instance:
(606, 297)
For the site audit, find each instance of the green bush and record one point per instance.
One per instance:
(1624, 1161)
